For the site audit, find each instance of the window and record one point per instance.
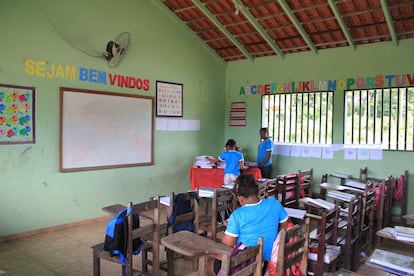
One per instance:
(380, 116)
(299, 117)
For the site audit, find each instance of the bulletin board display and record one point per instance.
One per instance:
(169, 99)
(17, 114)
(104, 130)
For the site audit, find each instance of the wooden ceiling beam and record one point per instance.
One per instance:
(390, 23)
(297, 25)
(222, 28)
(243, 9)
(341, 23)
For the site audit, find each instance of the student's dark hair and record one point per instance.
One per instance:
(231, 143)
(264, 129)
(246, 185)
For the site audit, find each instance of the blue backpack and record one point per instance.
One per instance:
(116, 240)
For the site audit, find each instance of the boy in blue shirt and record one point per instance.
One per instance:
(264, 153)
(255, 218)
(234, 161)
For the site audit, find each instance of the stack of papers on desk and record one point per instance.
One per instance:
(404, 233)
(319, 202)
(341, 196)
(331, 253)
(396, 264)
(295, 213)
(204, 162)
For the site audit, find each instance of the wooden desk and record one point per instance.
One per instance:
(192, 245)
(113, 209)
(201, 177)
(386, 233)
(343, 177)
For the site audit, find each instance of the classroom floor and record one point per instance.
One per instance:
(68, 252)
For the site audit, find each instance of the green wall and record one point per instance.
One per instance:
(34, 194)
(333, 64)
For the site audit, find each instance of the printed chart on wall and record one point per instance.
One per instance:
(237, 114)
(169, 99)
(17, 112)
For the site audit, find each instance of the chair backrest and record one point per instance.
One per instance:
(184, 208)
(288, 190)
(219, 208)
(246, 262)
(222, 206)
(385, 203)
(293, 248)
(149, 212)
(323, 234)
(305, 179)
(262, 189)
(271, 188)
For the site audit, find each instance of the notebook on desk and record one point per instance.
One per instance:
(392, 262)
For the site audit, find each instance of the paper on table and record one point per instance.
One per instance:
(295, 213)
(165, 200)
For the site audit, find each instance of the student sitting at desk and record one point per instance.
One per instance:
(255, 218)
(234, 161)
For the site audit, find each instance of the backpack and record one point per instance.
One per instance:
(116, 240)
(182, 207)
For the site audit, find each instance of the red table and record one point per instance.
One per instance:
(201, 177)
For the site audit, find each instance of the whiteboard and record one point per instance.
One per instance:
(103, 130)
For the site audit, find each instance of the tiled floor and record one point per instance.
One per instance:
(68, 252)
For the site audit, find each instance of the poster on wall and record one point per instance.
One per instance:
(169, 99)
(17, 114)
(237, 114)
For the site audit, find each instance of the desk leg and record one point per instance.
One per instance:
(203, 265)
(170, 260)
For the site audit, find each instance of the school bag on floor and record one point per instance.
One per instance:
(116, 240)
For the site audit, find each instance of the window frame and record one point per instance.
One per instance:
(378, 136)
(322, 128)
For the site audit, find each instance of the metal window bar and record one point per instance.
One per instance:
(398, 120)
(406, 120)
(287, 112)
(389, 119)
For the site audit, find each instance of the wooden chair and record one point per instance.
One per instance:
(366, 190)
(191, 217)
(253, 268)
(293, 248)
(288, 190)
(349, 232)
(148, 230)
(267, 188)
(399, 202)
(262, 189)
(383, 210)
(305, 180)
(222, 204)
(324, 234)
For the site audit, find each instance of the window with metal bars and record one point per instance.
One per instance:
(380, 116)
(304, 118)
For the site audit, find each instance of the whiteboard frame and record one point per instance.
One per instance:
(133, 140)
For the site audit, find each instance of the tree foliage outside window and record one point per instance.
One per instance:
(299, 117)
(380, 116)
